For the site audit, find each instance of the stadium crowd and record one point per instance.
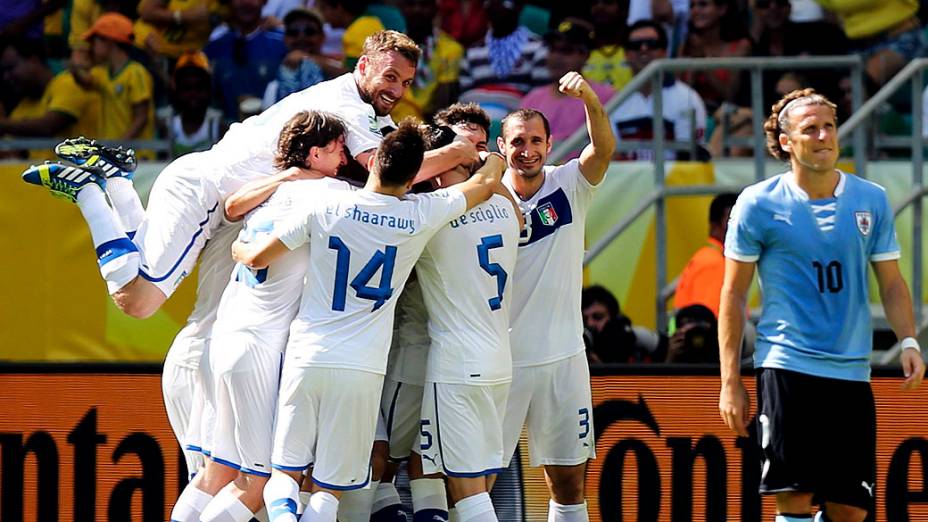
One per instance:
(183, 70)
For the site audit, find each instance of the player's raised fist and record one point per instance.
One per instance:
(573, 84)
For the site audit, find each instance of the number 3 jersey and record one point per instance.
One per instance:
(812, 258)
(465, 276)
(363, 247)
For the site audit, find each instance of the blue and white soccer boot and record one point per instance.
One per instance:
(88, 153)
(63, 181)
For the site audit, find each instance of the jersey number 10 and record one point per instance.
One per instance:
(829, 277)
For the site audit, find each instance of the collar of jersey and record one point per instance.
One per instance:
(839, 189)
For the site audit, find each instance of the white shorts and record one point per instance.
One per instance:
(183, 211)
(401, 406)
(246, 373)
(555, 401)
(327, 417)
(381, 434)
(178, 385)
(462, 429)
(199, 431)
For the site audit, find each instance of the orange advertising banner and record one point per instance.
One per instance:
(93, 443)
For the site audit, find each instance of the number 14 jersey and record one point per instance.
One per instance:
(364, 246)
(812, 258)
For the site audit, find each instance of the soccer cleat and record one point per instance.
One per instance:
(108, 161)
(63, 181)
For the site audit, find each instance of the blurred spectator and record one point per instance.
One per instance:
(715, 31)
(170, 27)
(192, 125)
(568, 49)
(607, 62)
(304, 65)
(467, 120)
(672, 14)
(349, 15)
(701, 280)
(695, 339)
(25, 18)
(465, 20)
(436, 82)
(125, 86)
(49, 105)
(244, 55)
(611, 336)
(887, 33)
(83, 14)
(684, 112)
(508, 63)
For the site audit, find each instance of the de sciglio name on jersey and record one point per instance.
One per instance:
(488, 212)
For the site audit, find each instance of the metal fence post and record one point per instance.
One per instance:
(917, 178)
(860, 138)
(660, 210)
(757, 122)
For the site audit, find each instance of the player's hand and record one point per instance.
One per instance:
(495, 160)
(295, 173)
(573, 84)
(464, 150)
(733, 407)
(913, 367)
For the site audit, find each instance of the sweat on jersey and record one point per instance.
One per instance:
(465, 274)
(264, 302)
(813, 272)
(546, 324)
(364, 245)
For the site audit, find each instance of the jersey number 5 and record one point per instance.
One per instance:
(494, 269)
(381, 260)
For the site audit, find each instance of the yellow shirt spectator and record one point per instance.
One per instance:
(355, 34)
(83, 14)
(439, 63)
(173, 39)
(120, 91)
(866, 18)
(607, 65)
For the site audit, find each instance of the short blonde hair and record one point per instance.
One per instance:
(778, 121)
(385, 41)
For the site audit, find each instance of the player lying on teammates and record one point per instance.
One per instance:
(365, 244)
(812, 232)
(144, 254)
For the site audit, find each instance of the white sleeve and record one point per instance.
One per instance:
(438, 208)
(295, 230)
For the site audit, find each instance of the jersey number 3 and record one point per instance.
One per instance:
(381, 260)
(494, 269)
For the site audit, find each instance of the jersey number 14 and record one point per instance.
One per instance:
(381, 260)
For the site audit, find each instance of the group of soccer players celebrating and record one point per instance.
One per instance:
(292, 383)
(397, 292)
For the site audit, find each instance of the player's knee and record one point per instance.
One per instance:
(567, 486)
(844, 513)
(139, 299)
(379, 456)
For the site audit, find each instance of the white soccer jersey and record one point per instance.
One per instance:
(465, 273)
(364, 247)
(247, 150)
(546, 324)
(264, 302)
(410, 346)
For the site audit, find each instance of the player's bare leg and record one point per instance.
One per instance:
(471, 499)
(566, 485)
(238, 501)
(843, 513)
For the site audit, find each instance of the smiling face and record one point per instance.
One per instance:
(812, 138)
(383, 78)
(329, 158)
(706, 13)
(474, 133)
(526, 146)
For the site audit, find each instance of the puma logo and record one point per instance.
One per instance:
(784, 218)
(868, 487)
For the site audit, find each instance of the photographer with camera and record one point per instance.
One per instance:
(695, 339)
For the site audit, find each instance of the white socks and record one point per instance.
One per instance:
(569, 513)
(280, 497)
(387, 506)
(190, 504)
(428, 499)
(476, 508)
(126, 203)
(355, 505)
(323, 507)
(117, 255)
(226, 507)
(304, 500)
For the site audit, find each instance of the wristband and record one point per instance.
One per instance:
(178, 19)
(910, 342)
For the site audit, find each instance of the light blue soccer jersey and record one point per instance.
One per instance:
(816, 307)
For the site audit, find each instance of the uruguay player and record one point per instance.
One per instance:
(811, 232)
